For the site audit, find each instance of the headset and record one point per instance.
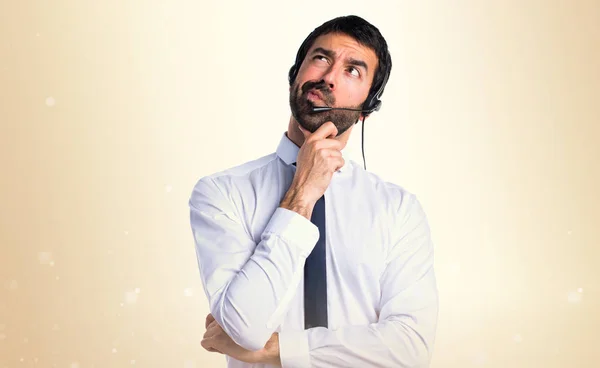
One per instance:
(371, 104)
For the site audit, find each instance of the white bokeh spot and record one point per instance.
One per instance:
(50, 101)
(518, 338)
(45, 257)
(168, 188)
(574, 297)
(131, 297)
(188, 292)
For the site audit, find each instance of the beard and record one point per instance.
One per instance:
(301, 108)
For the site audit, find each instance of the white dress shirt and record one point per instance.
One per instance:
(382, 299)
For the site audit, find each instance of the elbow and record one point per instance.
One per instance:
(247, 333)
(413, 357)
(251, 340)
(421, 358)
(416, 349)
(419, 354)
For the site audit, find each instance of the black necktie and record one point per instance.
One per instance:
(315, 274)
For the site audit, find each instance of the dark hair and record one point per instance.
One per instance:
(364, 33)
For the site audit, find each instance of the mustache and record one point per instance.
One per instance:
(321, 86)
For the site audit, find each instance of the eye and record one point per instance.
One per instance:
(321, 58)
(354, 71)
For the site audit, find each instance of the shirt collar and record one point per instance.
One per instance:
(288, 152)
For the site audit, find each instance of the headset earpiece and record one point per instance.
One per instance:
(373, 103)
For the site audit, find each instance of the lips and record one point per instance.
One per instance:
(315, 95)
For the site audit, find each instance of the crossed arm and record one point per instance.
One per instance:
(249, 287)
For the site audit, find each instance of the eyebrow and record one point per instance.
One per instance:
(331, 54)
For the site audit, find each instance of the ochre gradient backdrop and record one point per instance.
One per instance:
(110, 112)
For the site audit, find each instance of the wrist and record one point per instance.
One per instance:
(270, 353)
(295, 201)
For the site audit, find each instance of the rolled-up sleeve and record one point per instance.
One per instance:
(249, 286)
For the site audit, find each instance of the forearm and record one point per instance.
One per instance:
(396, 342)
(294, 200)
(402, 337)
(251, 305)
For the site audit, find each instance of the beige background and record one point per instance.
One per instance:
(111, 111)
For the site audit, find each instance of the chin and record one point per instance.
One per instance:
(311, 122)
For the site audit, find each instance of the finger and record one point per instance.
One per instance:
(330, 144)
(212, 330)
(335, 153)
(337, 163)
(209, 319)
(328, 154)
(211, 324)
(327, 130)
(207, 344)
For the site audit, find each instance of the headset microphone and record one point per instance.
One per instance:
(327, 108)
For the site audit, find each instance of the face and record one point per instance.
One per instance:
(336, 72)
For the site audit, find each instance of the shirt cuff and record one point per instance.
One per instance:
(293, 349)
(293, 228)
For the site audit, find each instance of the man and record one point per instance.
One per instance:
(308, 260)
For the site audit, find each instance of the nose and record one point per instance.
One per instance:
(330, 78)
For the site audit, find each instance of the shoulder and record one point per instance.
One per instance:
(393, 193)
(400, 204)
(222, 182)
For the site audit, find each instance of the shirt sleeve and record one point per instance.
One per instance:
(249, 286)
(405, 332)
